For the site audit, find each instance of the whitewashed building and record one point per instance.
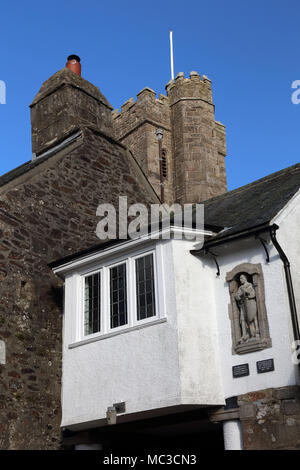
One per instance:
(174, 337)
(166, 342)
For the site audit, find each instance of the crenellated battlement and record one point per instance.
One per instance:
(193, 77)
(135, 127)
(194, 142)
(187, 88)
(194, 86)
(144, 98)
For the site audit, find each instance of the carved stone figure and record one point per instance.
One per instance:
(247, 309)
(246, 301)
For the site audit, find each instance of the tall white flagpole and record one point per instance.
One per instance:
(171, 51)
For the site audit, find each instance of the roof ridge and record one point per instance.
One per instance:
(32, 164)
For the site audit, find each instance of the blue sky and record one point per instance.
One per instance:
(249, 49)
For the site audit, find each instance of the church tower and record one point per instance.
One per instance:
(193, 145)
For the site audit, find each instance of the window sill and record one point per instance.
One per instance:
(115, 333)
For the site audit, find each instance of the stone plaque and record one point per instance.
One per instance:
(265, 366)
(240, 371)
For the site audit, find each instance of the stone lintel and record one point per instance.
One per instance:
(224, 415)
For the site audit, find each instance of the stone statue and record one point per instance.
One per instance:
(246, 301)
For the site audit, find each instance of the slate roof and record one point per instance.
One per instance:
(247, 207)
(254, 204)
(17, 172)
(29, 165)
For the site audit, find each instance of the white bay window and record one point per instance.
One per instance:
(118, 296)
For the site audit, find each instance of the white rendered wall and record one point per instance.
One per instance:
(187, 360)
(158, 366)
(139, 367)
(250, 251)
(200, 373)
(288, 236)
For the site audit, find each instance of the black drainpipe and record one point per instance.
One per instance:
(289, 282)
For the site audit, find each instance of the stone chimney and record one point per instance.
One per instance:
(66, 103)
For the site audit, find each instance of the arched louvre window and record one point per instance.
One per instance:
(164, 163)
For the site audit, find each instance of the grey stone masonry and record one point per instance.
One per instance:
(64, 104)
(271, 418)
(194, 142)
(48, 211)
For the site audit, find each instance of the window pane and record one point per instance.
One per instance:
(118, 296)
(92, 304)
(145, 294)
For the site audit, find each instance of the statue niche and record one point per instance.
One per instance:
(246, 301)
(249, 322)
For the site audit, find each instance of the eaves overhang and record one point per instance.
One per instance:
(110, 247)
(232, 237)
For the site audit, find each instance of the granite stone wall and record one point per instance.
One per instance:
(65, 103)
(48, 210)
(135, 127)
(271, 419)
(46, 213)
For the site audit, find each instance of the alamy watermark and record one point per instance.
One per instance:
(2, 92)
(296, 94)
(155, 221)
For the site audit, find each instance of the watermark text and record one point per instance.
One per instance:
(296, 94)
(2, 92)
(159, 221)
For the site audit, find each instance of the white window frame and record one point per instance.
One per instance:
(104, 268)
(107, 294)
(134, 294)
(81, 318)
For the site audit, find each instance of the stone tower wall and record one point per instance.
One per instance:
(195, 143)
(135, 127)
